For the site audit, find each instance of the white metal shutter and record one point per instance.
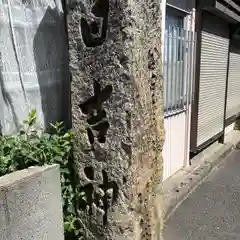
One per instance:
(233, 95)
(213, 71)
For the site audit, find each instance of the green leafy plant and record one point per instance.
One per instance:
(31, 148)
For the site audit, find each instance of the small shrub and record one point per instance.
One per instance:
(31, 148)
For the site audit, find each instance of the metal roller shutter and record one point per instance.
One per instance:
(233, 95)
(213, 71)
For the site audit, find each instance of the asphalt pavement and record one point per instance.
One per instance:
(212, 211)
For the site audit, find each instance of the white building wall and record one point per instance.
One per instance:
(177, 127)
(174, 146)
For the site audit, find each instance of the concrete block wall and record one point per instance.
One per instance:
(30, 205)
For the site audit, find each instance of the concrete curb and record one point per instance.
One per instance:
(183, 183)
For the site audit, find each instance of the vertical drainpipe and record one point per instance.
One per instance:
(191, 28)
(196, 85)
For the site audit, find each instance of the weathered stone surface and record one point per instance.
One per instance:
(114, 48)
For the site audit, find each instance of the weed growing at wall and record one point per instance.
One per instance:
(30, 148)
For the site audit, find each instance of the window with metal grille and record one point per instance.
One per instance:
(178, 65)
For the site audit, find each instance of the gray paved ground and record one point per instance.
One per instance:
(212, 211)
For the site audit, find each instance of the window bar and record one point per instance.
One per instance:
(174, 67)
(191, 69)
(166, 75)
(184, 70)
(188, 68)
(176, 95)
(164, 71)
(172, 70)
(181, 68)
(194, 65)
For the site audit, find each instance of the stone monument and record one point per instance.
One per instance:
(117, 108)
